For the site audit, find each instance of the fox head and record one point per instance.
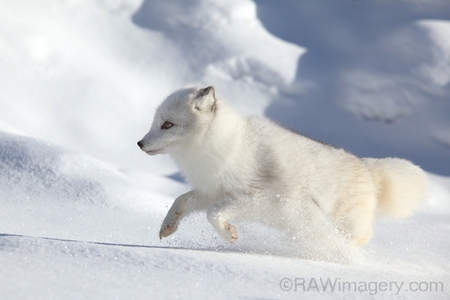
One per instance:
(183, 117)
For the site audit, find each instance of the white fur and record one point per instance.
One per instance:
(252, 167)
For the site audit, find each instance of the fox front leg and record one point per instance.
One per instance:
(183, 205)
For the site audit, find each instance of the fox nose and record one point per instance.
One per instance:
(140, 144)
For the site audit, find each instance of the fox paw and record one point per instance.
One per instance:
(167, 228)
(230, 233)
(361, 241)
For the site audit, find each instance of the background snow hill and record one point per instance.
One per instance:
(369, 76)
(378, 69)
(81, 205)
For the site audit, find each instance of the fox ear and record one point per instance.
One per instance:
(205, 99)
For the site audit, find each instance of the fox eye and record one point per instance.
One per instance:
(166, 125)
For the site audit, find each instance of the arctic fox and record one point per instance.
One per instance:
(251, 167)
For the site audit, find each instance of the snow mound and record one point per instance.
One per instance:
(202, 27)
(46, 190)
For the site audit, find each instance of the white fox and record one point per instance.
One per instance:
(251, 167)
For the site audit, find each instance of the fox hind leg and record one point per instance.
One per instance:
(356, 219)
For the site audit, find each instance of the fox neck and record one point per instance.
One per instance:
(205, 161)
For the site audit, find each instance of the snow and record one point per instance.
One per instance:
(81, 205)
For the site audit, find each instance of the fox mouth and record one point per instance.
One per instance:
(156, 151)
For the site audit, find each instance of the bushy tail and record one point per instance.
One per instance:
(402, 186)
